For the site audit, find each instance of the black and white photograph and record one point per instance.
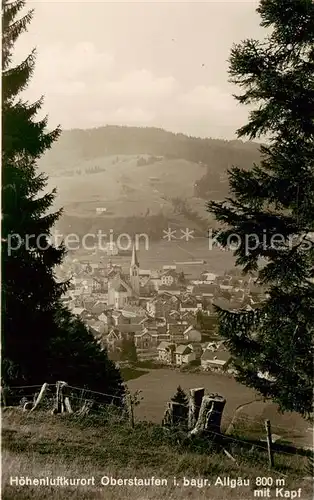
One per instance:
(157, 244)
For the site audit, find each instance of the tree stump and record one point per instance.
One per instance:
(210, 415)
(175, 415)
(196, 397)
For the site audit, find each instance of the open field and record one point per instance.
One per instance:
(164, 252)
(40, 445)
(124, 188)
(158, 386)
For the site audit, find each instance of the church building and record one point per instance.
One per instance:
(121, 287)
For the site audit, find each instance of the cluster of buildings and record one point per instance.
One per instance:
(168, 317)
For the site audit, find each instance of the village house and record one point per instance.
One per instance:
(173, 315)
(88, 302)
(191, 334)
(170, 277)
(188, 317)
(146, 339)
(106, 318)
(133, 311)
(130, 329)
(78, 311)
(147, 291)
(208, 277)
(162, 305)
(113, 339)
(205, 291)
(197, 349)
(118, 318)
(173, 289)
(166, 353)
(144, 276)
(175, 331)
(226, 285)
(190, 305)
(96, 327)
(217, 360)
(99, 307)
(184, 355)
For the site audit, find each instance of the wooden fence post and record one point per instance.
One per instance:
(67, 403)
(269, 444)
(60, 400)
(40, 396)
(130, 410)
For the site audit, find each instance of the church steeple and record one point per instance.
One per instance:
(134, 261)
(134, 272)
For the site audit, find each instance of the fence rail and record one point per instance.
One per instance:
(199, 422)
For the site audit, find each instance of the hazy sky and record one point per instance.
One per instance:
(139, 63)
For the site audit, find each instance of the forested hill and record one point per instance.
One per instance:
(78, 145)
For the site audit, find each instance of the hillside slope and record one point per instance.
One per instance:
(140, 173)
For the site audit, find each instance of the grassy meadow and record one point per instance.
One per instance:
(40, 445)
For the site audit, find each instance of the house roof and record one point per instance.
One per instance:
(97, 325)
(114, 333)
(174, 313)
(144, 272)
(183, 349)
(227, 304)
(196, 346)
(173, 286)
(191, 329)
(121, 288)
(163, 346)
(144, 332)
(205, 289)
(189, 304)
(136, 310)
(116, 313)
(130, 328)
(217, 357)
(170, 272)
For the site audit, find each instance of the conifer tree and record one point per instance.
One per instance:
(29, 290)
(41, 340)
(269, 216)
(180, 397)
